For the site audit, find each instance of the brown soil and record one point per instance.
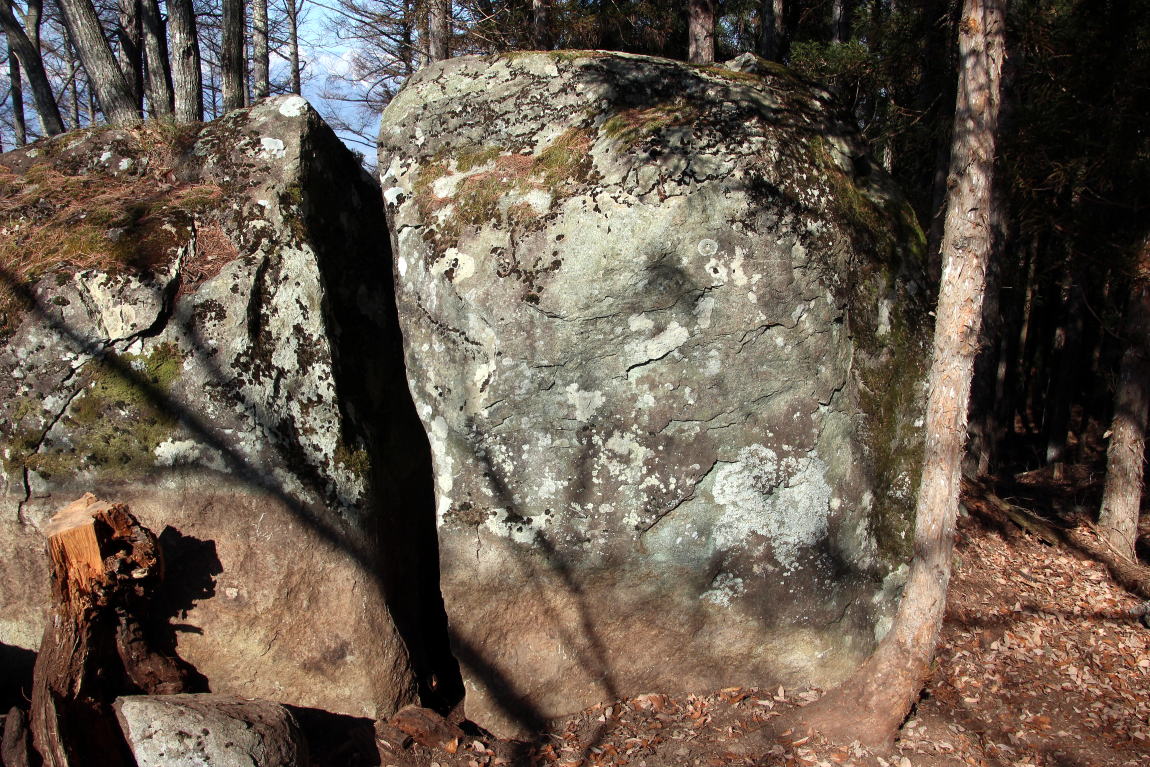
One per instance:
(1039, 666)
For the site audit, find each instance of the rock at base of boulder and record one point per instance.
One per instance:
(210, 730)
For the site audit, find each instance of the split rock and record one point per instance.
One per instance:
(191, 340)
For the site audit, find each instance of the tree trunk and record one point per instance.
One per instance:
(184, 49)
(16, 747)
(701, 31)
(840, 21)
(541, 24)
(129, 33)
(293, 46)
(261, 78)
(439, 29)
(104, 75)
(873, 702)
(104, 565)
(19, 127)
(28, 54)
(156, 50)
(772, 30)
(232, 54)
(1122, 496)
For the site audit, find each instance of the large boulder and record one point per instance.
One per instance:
(198, 322)
(664, 328)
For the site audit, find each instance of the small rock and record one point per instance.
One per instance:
(210, 730)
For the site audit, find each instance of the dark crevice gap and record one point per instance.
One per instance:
(343, 211)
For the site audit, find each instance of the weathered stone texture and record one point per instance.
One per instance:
(662, 326)
(224, 391)
(210, 731)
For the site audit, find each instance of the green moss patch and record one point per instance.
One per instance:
(117, 422)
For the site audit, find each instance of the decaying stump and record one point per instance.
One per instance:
(104, 567)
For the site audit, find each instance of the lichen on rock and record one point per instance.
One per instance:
(651, 314)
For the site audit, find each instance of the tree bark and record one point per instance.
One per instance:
(1122, 496)
(28, 54)
(232, 54)
(293, 46)
(541, 25)
(872, 703)
(104, 75)
(772, 30)
(701, 31)
(19, 127)
(104, 565)
(840, 21)
(130, 33)
(261, 77)
(439, 30)
(156, 51)
(184, 49)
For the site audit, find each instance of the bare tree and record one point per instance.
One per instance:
(542, 32)
(261, 77)
(16, 91)
(184, 51)
(872, 703)
(1122, 496)
(701, 31)
(293, 16)
(104, 75)
(24, 41)
(232, 54)
(439, 30)
(160, 94)
(129, 34)
(772, 29)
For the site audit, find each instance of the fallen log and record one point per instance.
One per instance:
(104, 566)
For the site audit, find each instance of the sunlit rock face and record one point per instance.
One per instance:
(663, 325)
(211, 372)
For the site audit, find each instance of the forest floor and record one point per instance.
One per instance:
(1039, 666)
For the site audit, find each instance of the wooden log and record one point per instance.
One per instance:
(16, 748)
(104, 567)
(427, 728)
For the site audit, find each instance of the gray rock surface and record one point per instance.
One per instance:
(219, 382)
(664, 326)
(210, 731)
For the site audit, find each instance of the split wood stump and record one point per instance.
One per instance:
(105, 566)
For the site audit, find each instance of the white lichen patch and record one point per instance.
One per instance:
(271, 148)
(723, 589)
(703, 310)
(707, 247)
(784, 499)
(293, 106)
(585, 403)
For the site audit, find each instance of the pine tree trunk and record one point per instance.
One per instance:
(28, 54)
(261, 78)
(293, 46)
(772, 29)
(184, 49)
(104, 75)
(873, 702)
(129, 34)
(439, 29)
(1122, 496)
(541, 24)
(701, 31)
(156, 50)
(232, 54)
(840, 21)
(19, 127)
